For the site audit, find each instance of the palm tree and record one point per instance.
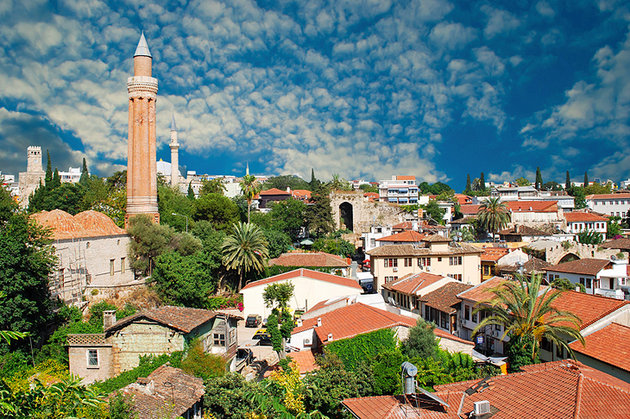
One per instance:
(250, 189)
(245, 250)
(525, 310)
(493, 215)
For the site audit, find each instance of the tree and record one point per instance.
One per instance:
(539, 181)
(280, 322)
(567, 182)
(613, 228)
(586, 178)
(563, 284)
(334, 246)
(590, 237)
(285, 181)
(337, 183)
(368, 188)
(468, 185)
(85, 175)
(278, 242)
(289, 216)
(314, 183)
(49, 173)
(212, 186)
(221, 211)
(56, 180)
(175, 208)
(493, 215)
(190, 194)
(319, 215)
(552, 186)
(522, 182)
(245, 250)
(232, 396)
(201, 364)
(432, 211)
(250, 188)
(579, 196)
(482, 182)
(421, 341)
(527, 313)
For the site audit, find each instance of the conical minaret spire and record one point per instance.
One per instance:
(174, 145)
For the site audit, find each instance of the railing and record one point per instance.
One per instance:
(87, 339)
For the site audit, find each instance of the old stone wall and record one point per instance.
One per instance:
(364, 213)
(556, 253)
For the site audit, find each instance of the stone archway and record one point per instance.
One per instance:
(346, 215)
(569, 257)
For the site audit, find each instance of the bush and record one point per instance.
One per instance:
(421, 341)
(201, 364)
(352, 352)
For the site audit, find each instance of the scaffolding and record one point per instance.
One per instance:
(71, 279)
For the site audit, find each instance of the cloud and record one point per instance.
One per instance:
(499, 22)
(452, 35)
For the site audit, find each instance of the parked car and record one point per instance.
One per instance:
(263, 338)
(253, 320)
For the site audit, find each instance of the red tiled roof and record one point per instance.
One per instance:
(307, 273)
(405, 178)
(412, 283)
(532, 206)
(445, 335)
(371, 196)
(463, 199)
(405, 225)
(274, 191)
(560, 389)
(445, 297)
(352, 320)
(185, 319)
(309, 259)
(609, 196)
(303, 194)
(588, 307)
(83, 225)
(410, 236)
(305, 361)
(610, 345)
(436, 238)
(492, 254)
(470, 209)
(480, 292)
(587, 266)
(578, 216)
(621, 244)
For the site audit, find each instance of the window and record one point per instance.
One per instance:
(92, 358)
(372, 242)
(474, 318)
(455, 260)
(466, 312)
(407, 262)
(122, 265)
(111, 267)
(219, 339)
(424, 261)
(391, 263)
(439, 258)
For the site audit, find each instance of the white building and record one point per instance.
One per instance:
(599, 276)
(370, 239)
(585, 221)
(399, 190)
(311, 287)
(73, 175)
(610, 204)
(514, 193)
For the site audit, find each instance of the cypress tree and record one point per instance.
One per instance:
(567, 183)
(539, 181)
(49, 174)
(56, 180)
(85, 175)
(585, 179)
(482, 182)
(314, 183)
(468, 187)
(191, 193)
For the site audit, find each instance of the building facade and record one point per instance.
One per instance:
(399, 190)
(610, 204)
(30, 180)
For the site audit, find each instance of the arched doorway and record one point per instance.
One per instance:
(345, 215)
(569, 257)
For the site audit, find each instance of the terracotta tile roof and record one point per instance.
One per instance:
(302, 194)
(371, 196)
(492, 254)
(480, 292)
(413, 283)
(519, 230)
(83, 225)
(445, 335)
(445, 297)
(579, 216)
(585, 266)
(274, 191)
(463, 199)
(436, 238)
(184, 319)
(310, 259)
(352, 320)
(465, 220)
(406, 236)
(305, 361)
(405, 178)
(532, 265)
(609, 196)
(609, 345)
(621, 244)
(167, 390)
(306, 273)
(532, 206)
(405, 225)
(588, 307)
(470, 209)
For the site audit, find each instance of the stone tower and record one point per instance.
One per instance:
(141, 164)
(29, 180)
(174, 145)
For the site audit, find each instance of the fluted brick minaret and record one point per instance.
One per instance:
(141, 164)
(174, 145)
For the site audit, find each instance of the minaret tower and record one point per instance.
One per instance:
(141, 164)
(174, 145)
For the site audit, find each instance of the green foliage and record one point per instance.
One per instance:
(280, 322)
(519, 351)
(278, 295)
(201, 364)
(190, 194)
(432, 211)
(590, 237)
(522, 182)
(444, 368)
(353, 351)
(410, 209)
(368, 188)
(172, 201)
(386, 370)
(278, 242)
(613, 228)
(597, 189)
(319, 215)
(221, 211)
(551, 186)
(250, 188)
(245, 250)
(288, 216)
(230, 396)
(567, 182)
(212, 186)
(337, 183)
(539, 181)
(468, 187)
(120, 407)
(218, 302)
(286, 181)
(562, 284)
(338, 247)
(493, 215)
(421, 341)
(579, 196)
(434, 189)
(67, 197)
(85, 174)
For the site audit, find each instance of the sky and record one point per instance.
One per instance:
(365, 89)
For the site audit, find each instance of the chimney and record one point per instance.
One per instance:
(109, 318)
(299, 322)
(319, 322)
(330, 337)
(481, 408)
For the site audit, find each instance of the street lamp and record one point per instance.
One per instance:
(185, 216)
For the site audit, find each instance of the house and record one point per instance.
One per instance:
(265, 198)
(326, 306)
(163, 330)
(623, 245)
(303, 195)
(405, 293)
(617, 204)
(469, 210)
(532, 266)
(356, 319)
(535, 213)
(521, 233)
(578, 221)
(375, 233)
(312, 260)
(510, 193)
(607, 350)
(399, 190)
(167, 392)
(599, 276)
(436, 254)
(466, 223)
(405, 237)
(311, 287)
(441, 306)
(561, 389)
(91, 255)
(493, 257)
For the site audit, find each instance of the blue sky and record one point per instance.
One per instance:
(366, 89)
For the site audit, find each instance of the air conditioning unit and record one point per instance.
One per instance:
(307, 342)
(395, 269)
(428, 268)
(481, 408)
